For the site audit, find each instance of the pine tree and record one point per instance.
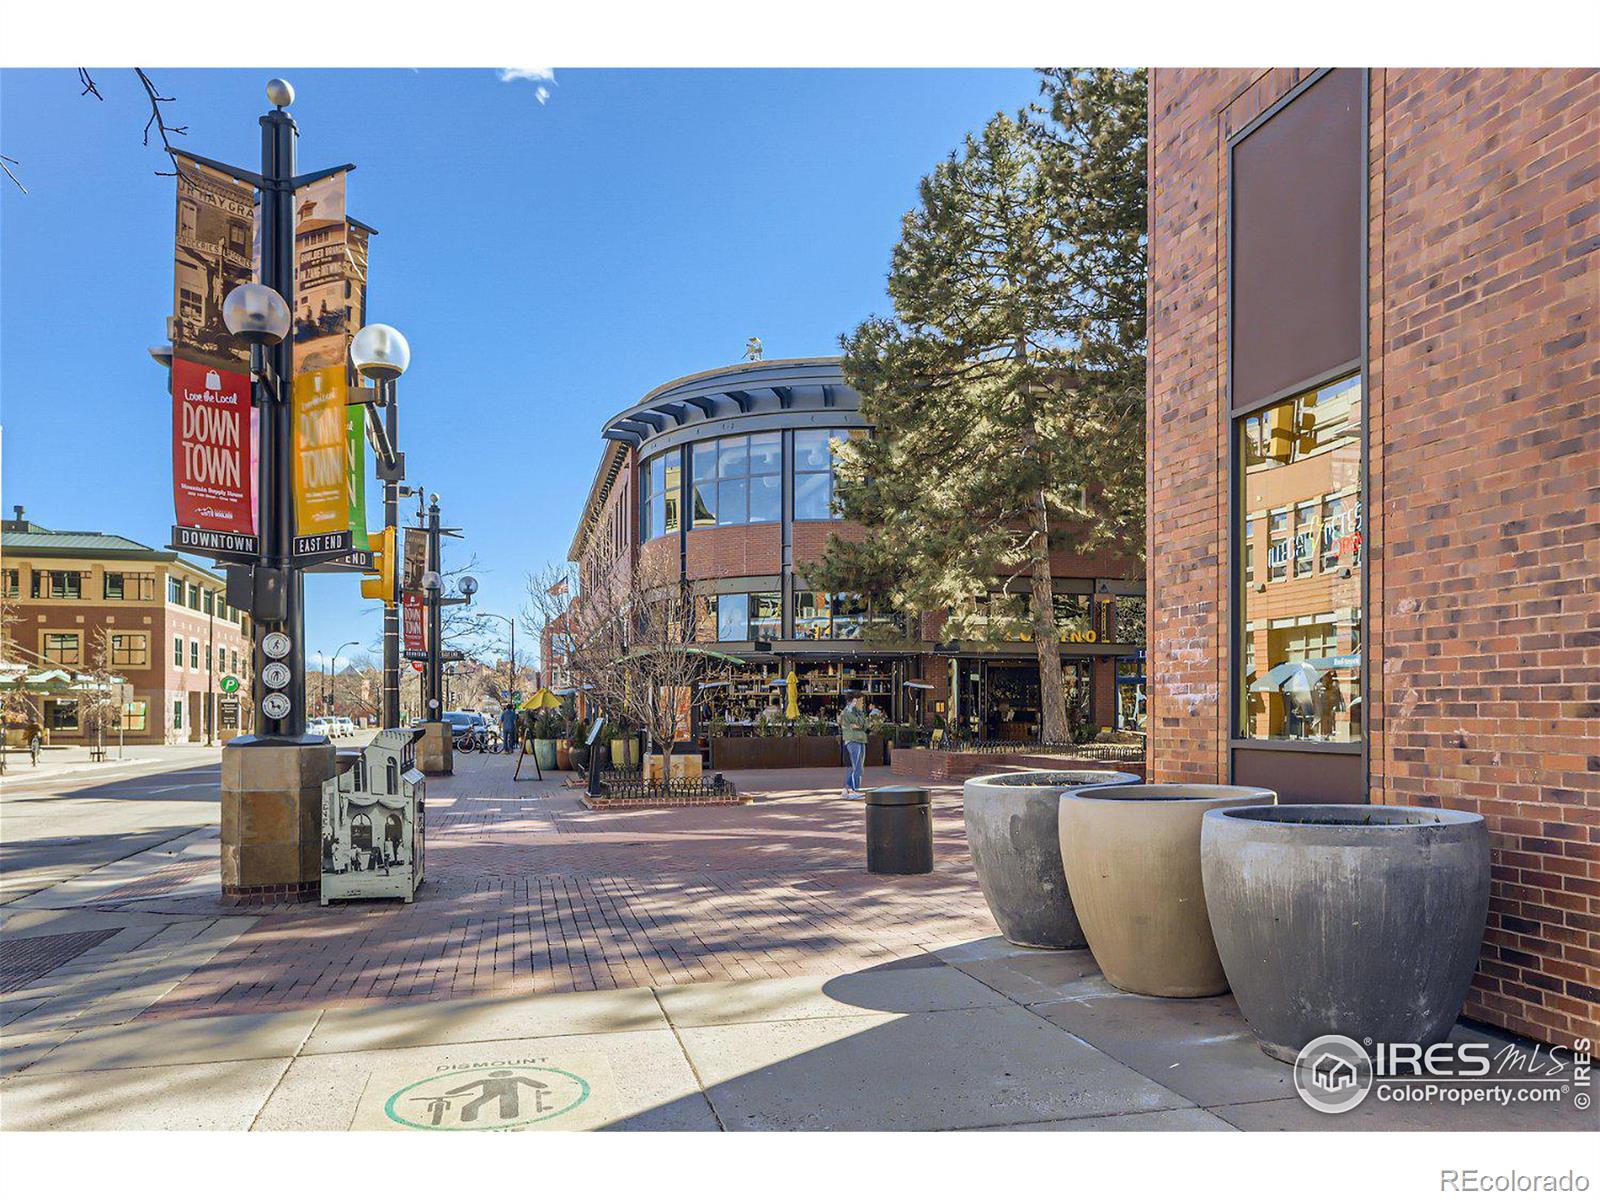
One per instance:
(1007, 390)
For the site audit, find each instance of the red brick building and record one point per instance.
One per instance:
(157, 620)
(1374, 430)
(724, 480)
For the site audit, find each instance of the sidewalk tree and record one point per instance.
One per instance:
(629, 645)
(1006, 391)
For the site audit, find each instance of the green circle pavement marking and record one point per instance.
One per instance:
(504, 1095)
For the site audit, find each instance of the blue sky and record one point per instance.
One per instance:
(549, 262)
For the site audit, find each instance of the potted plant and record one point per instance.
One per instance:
(1132, 858)
(580, 745)
(564, 746)
(1011, 829)
(546, 728)
(1362, 920)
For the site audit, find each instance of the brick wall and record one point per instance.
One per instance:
(1484, 408)
(735, 550)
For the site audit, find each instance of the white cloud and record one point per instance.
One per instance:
(541, 94)
(518, 74)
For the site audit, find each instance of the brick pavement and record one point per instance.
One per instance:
(529, 892)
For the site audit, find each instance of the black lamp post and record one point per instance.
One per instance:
(380, 353)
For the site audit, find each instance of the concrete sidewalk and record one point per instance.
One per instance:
(979, 1035)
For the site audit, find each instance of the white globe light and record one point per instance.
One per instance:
(380, 352)
(466, 585)
(280, 93)
(256, 313)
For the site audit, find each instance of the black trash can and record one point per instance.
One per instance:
(899, 831)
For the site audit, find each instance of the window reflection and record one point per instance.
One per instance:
(1301, 625)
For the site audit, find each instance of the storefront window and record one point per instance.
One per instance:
(1300, 632)
(813, 616)
(660, 487)
(1131, 691)
(745, 616)
(1129, 620)
(738, 480)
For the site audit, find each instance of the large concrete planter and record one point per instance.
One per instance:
(1132, 859)
(1011, 830)
(1363, 920)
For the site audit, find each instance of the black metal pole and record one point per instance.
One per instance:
(435, 594)
(391, 610)
(279, 138)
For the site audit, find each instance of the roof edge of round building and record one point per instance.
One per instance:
(725, 391)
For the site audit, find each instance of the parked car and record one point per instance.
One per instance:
(345, 726)
(319, 725)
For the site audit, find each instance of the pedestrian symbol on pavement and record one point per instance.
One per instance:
(497, 1097)
(230, 683)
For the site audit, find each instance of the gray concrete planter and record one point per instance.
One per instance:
(1363, 920)
(1132, 859)
(1011, 829)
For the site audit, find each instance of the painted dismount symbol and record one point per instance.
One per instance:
(499, 1097)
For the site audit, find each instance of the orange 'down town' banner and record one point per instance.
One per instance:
(213, 424)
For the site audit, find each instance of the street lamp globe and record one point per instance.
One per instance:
(380, 352)
(162, 354)
(280, 93)
(257, 314)
(432, 581)
(466, 585)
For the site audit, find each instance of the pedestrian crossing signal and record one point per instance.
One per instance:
(384, 561)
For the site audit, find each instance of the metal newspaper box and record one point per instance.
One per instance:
(373, 822)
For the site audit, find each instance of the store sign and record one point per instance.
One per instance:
(213, 423)
(413, 624)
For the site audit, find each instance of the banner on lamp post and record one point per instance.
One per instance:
(326, 303)
(214, 444)
(357, 236)
(415, 559)
(414, 624)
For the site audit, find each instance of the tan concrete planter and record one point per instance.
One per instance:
(1132, 860)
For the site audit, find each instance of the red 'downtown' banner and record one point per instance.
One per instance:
(414, 624)
(213, 448)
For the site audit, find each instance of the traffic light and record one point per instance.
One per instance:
(383, 567)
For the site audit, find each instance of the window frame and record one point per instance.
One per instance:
(1234, 409)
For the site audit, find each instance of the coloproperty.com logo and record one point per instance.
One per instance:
(1335, 1074)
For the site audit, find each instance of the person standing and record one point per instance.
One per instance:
(853, 722)
(508, 729)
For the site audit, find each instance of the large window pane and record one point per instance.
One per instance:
(1300, 628)
(733, 618)
(849, 614)
(766, 498)
(811, 451)
(811, 496)
(733, 457)
(812, 616)
(705, 503)
(673, 476)
(766, 453)
(766, 615)
(705, 461)
(732, 501)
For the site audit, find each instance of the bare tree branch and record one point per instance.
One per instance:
(5, 165)
(89, 89)
(159, 122)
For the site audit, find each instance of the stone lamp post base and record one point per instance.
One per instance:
(272, 817)
(436, 749)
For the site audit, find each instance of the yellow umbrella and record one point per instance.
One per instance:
(543, 698)
(793, 710)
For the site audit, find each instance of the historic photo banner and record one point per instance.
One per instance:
(213, 424)
(326, 298)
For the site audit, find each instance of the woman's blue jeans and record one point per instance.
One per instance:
(856, 752)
